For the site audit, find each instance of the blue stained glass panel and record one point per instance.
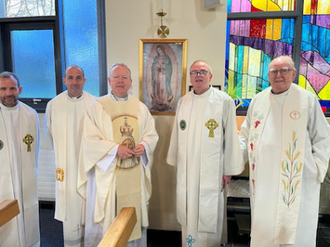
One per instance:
(228, 6)
(321, 42)
(81, 43)
(35, 68)
(265, 69)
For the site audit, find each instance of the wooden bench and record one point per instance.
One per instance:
(121, 229)
(8, 210)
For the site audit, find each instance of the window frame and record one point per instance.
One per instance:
(54, 23)
(31, 23)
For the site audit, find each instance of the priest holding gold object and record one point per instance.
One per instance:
(118, 140)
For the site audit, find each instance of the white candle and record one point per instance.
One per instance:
(160, 4)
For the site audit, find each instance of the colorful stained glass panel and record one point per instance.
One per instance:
(252, 44)
(241, 6)
(315, 50)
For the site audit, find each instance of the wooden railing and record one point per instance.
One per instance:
(121, 229)
(8, 210)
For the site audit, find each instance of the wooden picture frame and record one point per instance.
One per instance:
(162, 74)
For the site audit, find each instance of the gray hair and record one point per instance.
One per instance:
(11, 75)
(198, 61)
(119, 64)
(288, 59)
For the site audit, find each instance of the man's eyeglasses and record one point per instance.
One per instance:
(202, 73)
(283, 71)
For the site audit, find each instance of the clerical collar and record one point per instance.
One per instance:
(77, 96)
(117, 98)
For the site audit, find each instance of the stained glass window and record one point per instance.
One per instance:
(252, 43)
(315, 50)
(260, 5)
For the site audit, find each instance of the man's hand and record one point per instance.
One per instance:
(138, 150)
(225, 181)
(124, 152)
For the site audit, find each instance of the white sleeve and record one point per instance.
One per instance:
(146, 157)
(109, 160)
(48, 122)
(319, 131)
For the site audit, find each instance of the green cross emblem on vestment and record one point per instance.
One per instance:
(28, 139)
(211, 125)
(183, 124)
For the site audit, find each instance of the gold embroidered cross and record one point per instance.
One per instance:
(59, 174)
(28, 139)
(211, 125)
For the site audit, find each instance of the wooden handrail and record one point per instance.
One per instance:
(121, 229)
(8, 210)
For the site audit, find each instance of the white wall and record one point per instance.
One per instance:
(127, 21)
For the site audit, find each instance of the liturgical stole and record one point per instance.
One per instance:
(210, 163)
(26, 153)
(294, 124)
(128, 172)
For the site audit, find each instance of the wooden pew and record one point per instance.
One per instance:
(121, 229)
(8, 210)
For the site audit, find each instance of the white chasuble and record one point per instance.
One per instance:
(202, 124)
(97, 171)
(64, 122)
(19, 147)
(128, 171)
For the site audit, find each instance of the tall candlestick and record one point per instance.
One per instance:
(163, 31)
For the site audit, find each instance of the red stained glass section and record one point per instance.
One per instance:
(258, 28)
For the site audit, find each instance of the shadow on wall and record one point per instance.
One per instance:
(162, 208)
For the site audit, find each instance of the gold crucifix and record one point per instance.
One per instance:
(211, 125)
(28, 139)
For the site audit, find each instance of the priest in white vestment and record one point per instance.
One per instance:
(205, 149)
(64, 124)
(286, 139)
(114, 168)
(19, 149)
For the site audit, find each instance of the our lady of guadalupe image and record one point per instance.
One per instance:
(128, 141)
